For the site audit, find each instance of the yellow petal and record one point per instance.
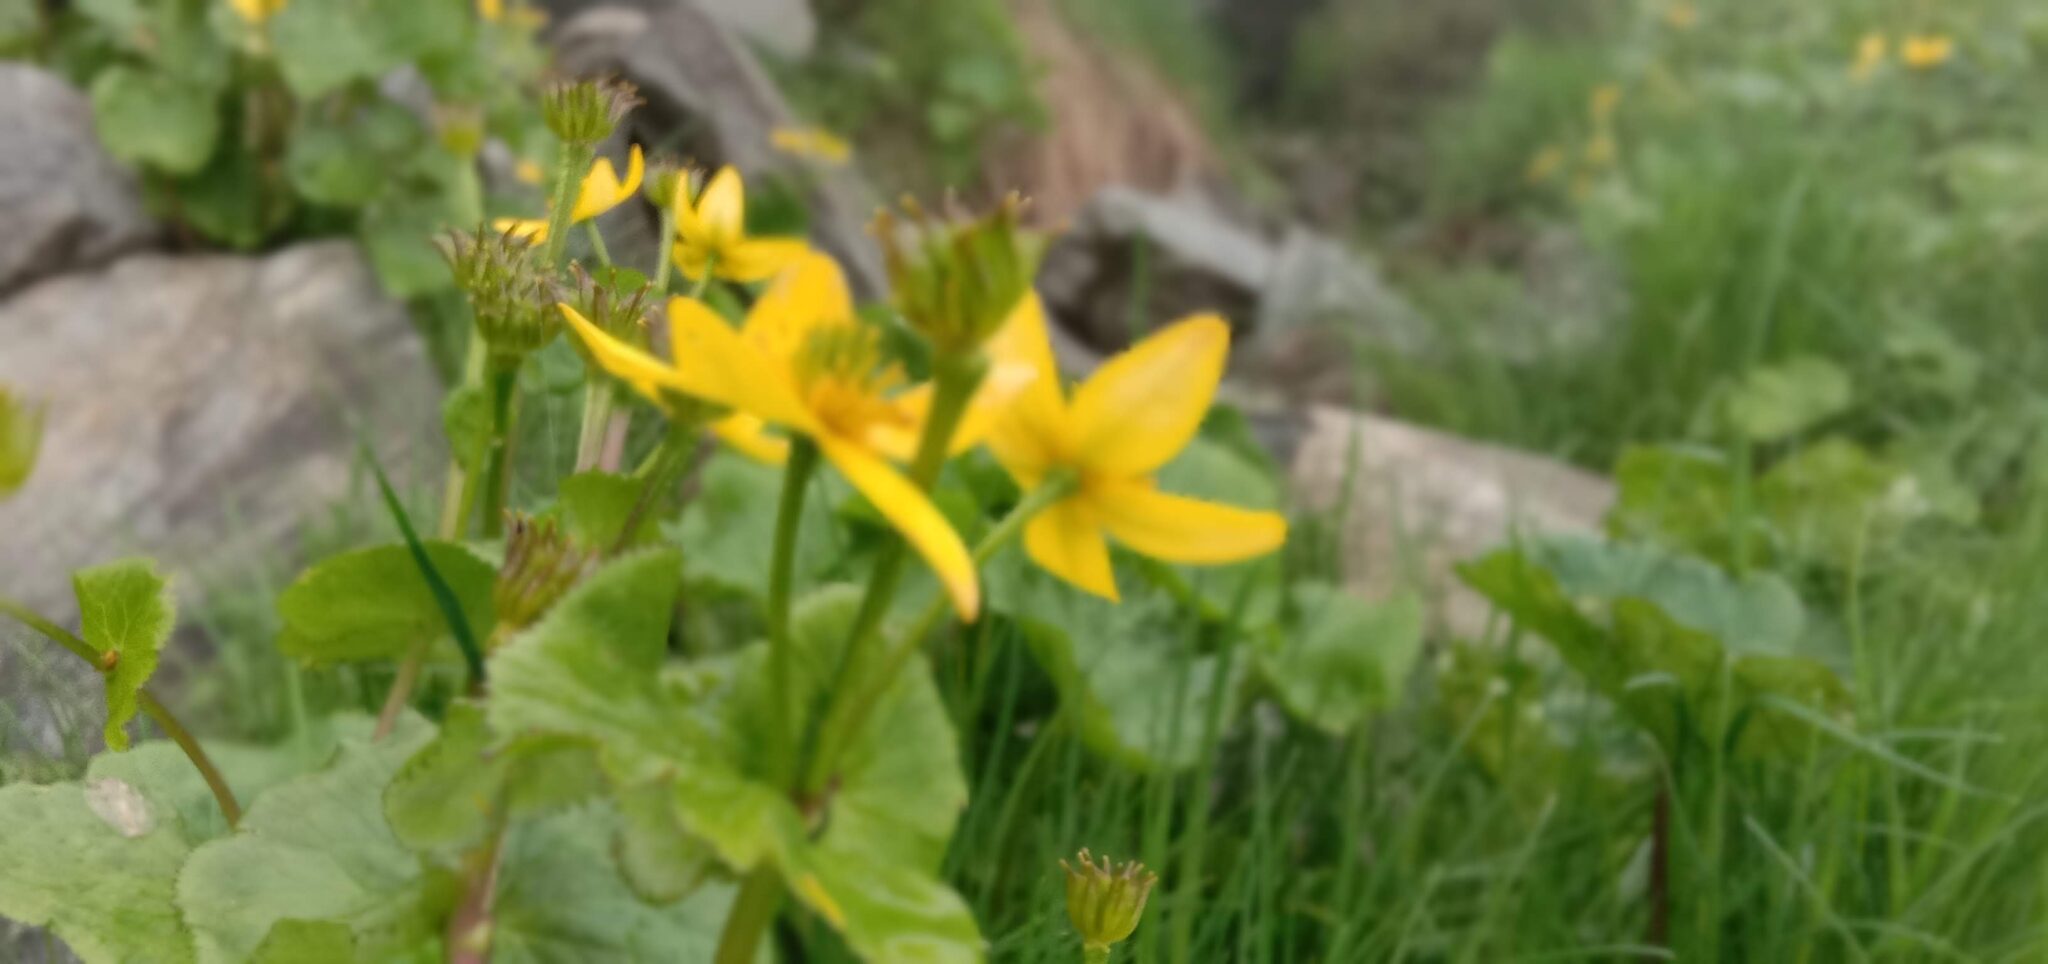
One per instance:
(913, 515)
(1028, 434)
(722, 208)
(758, 259)
(641, 371)
(898, 438)
(602, 190)
(1176, 528)
(810, 293)
(534, 230)
(690, 257)
(717, 364)
(748, 435)
(1140, 408)
(1065, 539)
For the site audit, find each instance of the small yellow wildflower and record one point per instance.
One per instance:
(1601, 105)
(491, 11)
(712, 231)
(527, 172)
(1925, 52)
(1126, 421)
(1870, 54)
(812, 143)
(1682, 15)
(1545, 164)
(1600, 150)
(601, 191)
(257, 11)
(803, 361)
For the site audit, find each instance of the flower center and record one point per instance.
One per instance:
(844, 377)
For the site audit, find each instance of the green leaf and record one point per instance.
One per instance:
(343, 154)
(317, 848)
(1756, 613)
(1346, 659)
(596, 669)
(596, 505)
(307, 942)
(146, 117)
(660, 860)
(559, 901)
(323, 45)
(442, 798)
(729, 528)
(1130, 673)
(234, 200)
(1684, 498)
(397, 233)
(125, 608)
(1782, 400)
(165, 775)
(98, 865)
(373, 604)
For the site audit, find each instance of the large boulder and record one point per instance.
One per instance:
(64, 203)
(200, 410)
(1416, 502)
(707, 99)
(1304, 306)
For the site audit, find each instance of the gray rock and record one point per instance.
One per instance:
(708, 100)
(64, 203)
(786, 28)
(1417, 502)
(199, 411)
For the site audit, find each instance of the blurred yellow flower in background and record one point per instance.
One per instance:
(257, 11)
(1926, 52)
(1600, 150)
(1870, 54)
(1682, 15)
(601, 191)
(711, 232)
(491, 10)
(1544, 164)
(1601, 105)
(1126, 421)
(812, 143)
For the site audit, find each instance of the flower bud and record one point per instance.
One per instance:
(460, 128)
(1105, 900)
(21, 434)
(956, 279)
(507, 291)
(586, 111)
(668, 178)
(541, 565)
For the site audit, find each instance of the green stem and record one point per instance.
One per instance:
(574, 159)
(796, 479)
(850, 708)
(752, 911)
(597, 420)
(663, 244)
(497, 470)
(1095, 954)
(458, 489)
(396, 698)
(954, 380)
(222, 795)
(604, 255)
(659, 473)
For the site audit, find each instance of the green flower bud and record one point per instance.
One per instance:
(507, 289)
(460, 128)
(541, 565)
(666, 179)
(21, 435)
(585, 112)
(1105, 901)
(956, 279)
(614, 300)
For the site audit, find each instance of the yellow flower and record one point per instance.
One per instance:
(1600, 151)
(491, 10)
(1870, 54)
(804, 362)
(601, 191)
(1545, 164)
(1682, 15)
(1601, 105)
(257, 11)
(1926, 52)
(527, 172)
(1126, 421)
(811, 143)
(712, 230)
